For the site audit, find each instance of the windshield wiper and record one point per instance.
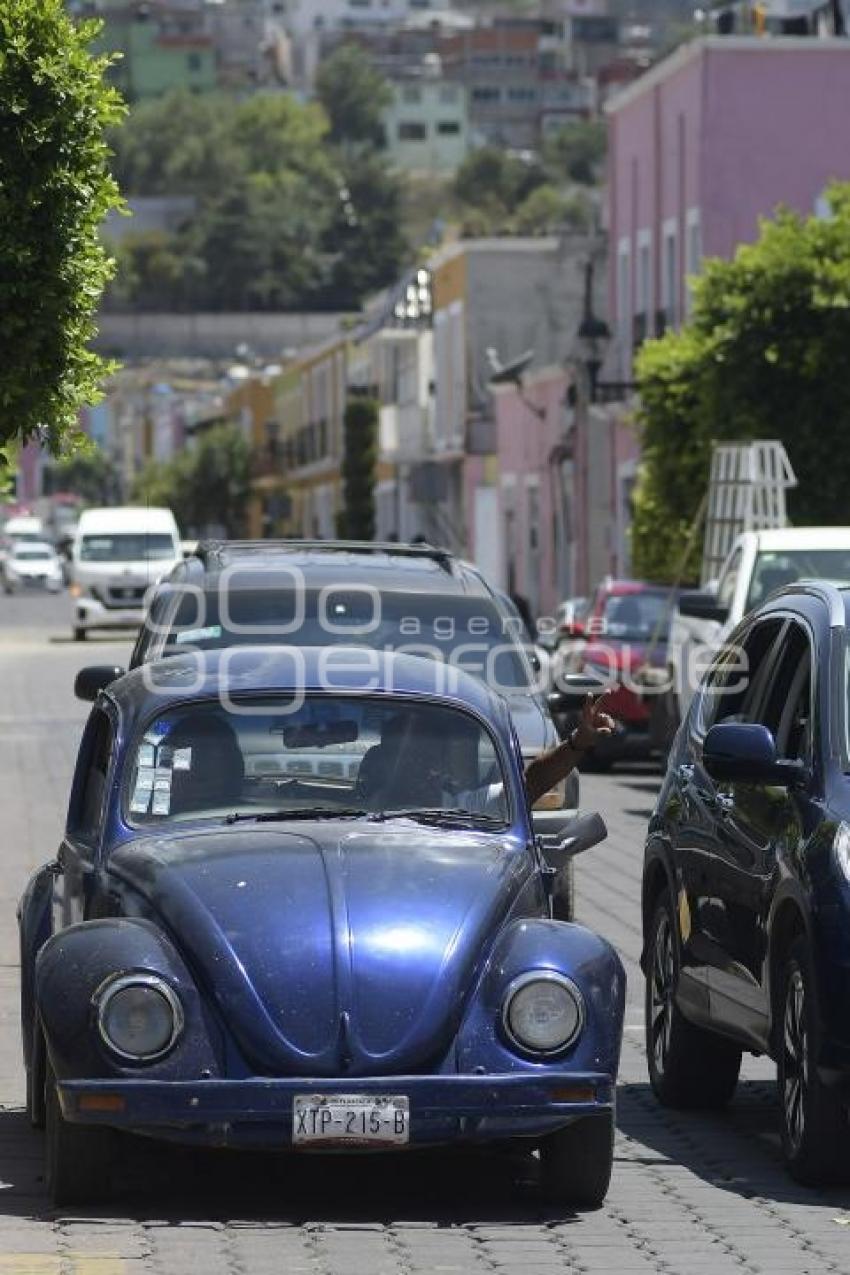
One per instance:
(296, 812)
(439, 814)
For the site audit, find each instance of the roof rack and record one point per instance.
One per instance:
(208, 549)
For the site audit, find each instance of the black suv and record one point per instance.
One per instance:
(746, 881)
(342, 593)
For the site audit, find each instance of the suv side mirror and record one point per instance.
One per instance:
(90, 681)
(745, 752)
(698, 605)
(574, 837)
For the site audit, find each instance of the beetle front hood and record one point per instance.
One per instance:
(338, 948)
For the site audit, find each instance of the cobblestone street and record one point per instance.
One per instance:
(690, 1193)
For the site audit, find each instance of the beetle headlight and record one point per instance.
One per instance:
(139, 1016)
(543, 1012)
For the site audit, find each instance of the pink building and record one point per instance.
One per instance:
(533, 490)
(702, 146)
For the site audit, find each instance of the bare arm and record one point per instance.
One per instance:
(547, 770)
(544, 772)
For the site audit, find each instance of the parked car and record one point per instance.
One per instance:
(30, 564)
(625, 626)
(227, 951)
(385, 597)
(758, 563)
(746, 879)
(117, 554)
(19, 529)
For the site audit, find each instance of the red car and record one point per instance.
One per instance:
(624, 629)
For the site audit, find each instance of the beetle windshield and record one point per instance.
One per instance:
(318, 755)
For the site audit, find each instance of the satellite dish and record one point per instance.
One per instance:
(504, 373)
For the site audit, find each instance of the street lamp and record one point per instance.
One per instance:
(594, 336)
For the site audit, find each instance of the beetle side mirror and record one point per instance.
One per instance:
(745, 752)
(574, 837)
(90, 681)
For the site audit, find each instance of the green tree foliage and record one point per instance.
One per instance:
(55, 190)
(354, 96)
(87, 472)
(499, 193)
(284, 220)
(207, 485)
(546, 211)
(359, 465)
(577, 151)
(495, 182)
(762, 357)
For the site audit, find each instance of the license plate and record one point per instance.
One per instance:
(353, 1119)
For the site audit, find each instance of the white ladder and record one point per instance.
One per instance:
(746, 492)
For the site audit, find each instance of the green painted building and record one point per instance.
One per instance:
(161, 49)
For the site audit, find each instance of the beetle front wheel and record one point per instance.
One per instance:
(78, 1158)
(576, 1162)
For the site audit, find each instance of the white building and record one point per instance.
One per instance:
(427, 125)
(305, 16)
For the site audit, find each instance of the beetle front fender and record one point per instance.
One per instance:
(74, 963)
(34, 923)
(537, 944)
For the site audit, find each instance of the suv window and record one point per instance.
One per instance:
(735, 683)
(787, 707)
(481, 635)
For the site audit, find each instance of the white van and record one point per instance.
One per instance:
(117, 555)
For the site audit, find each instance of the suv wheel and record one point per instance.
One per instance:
(688, 1066)
(814, 1122)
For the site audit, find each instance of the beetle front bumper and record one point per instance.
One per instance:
(258, 1112)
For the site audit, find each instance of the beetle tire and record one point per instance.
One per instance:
(576, 1162)
(36, 1092)
(700, 1068)
(815, 1154)
(78, 1158)
(563, 900)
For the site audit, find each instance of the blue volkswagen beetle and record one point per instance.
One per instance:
(300, 905)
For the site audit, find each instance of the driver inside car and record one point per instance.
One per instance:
(413, 766)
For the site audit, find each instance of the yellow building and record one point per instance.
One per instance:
(297, 434)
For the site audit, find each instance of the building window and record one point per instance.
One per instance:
(411, 95)
(448, 128)
(624, 290)
(412, 131)
(670, 273)
(448, 93)
(486, 93)
(522, 95)
(644, 284)
(694, 253)
(193, 61)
